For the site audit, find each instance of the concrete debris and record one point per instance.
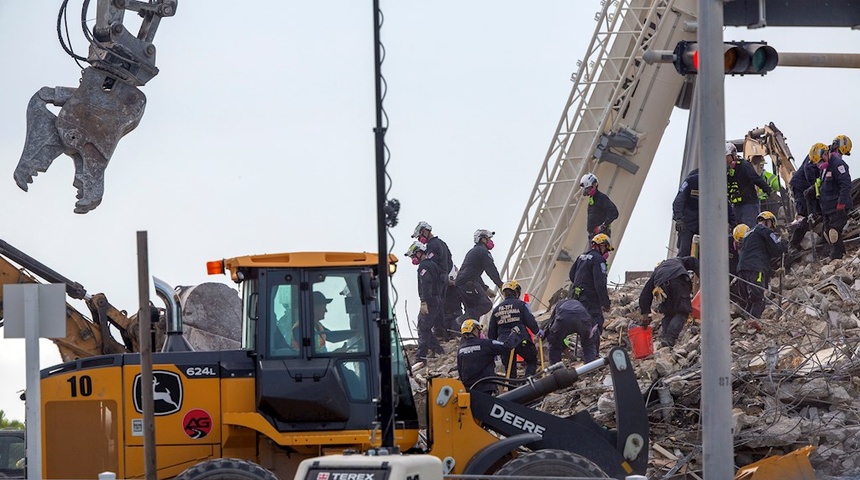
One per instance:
(795, 381)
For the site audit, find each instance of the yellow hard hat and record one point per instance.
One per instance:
(740, 231)
(513, 286)
(843, 144)
(765, 215)
(817, 152)
(469, 326)
(602, 239)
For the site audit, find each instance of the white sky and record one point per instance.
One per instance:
(257, 136)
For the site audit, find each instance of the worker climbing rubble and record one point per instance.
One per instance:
(509, 319)
(440, 254)
(601, 211)
(569, 317)
(429, 291)
(760, 246)
(588, 285)
(741, 182)
(476, 356)
(474, 294)
(669, 291)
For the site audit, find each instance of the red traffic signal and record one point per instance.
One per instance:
(739, 58)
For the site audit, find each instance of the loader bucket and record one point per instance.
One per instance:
(791, 466)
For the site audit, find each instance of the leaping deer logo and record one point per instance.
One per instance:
(163, 395)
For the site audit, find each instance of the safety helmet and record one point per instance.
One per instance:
(740, 231)
(421, 226)
(513, 286)
(731, 149)
(415, 248)
(588, 180)
(602, 239)
(470, 325)
(765, 215)
(843, 144)
(479, 234)
(816, 153)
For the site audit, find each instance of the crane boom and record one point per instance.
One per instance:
(611, 125)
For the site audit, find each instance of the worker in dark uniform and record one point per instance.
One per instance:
(741, 182)
(670, 291)
(588, 278)
(438, 251)
(514, 315)
(453, 308)
(685, 213)
(840, 146)
(736, 243)
(761, 246)
(476, 356)
(568, 317)
(834, 196)
(474, 294)
(800, 182)
(601, 211)
(429, 289)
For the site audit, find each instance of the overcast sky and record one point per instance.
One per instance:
(257, 136)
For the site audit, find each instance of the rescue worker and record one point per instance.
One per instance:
(429, 289)
(438, 251)
(760, 246)
(601, 211)
(736, 242)
(476, 356)
(800, 182)
(474, 294)
(568, 317)
(453, 308)
(834, 196)
(741, 182)
(685, 213)
(841, 145)
(669, 291)
(588, 285)
(510, 313)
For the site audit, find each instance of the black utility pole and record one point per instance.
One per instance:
(386, 406)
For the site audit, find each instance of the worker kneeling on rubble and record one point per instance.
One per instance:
(476, 357)
(569, 317)
(669, 291)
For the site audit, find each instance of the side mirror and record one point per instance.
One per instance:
(369, 286)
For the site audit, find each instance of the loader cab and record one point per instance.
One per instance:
(309, 322)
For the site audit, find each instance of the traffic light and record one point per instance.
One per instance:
(739, 58)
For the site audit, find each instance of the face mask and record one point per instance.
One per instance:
(588, 192)
(415, 261)
(422, 239)
(606, 256)
(490, 244)
(822, 165)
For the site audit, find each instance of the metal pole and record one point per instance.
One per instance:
(32, 408)
(718, 451)
(833, 60)
(386, 406)
(149, 463)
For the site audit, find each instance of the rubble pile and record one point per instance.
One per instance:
(795, 375)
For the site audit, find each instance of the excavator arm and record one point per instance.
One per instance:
(84, 337)
(103, 108)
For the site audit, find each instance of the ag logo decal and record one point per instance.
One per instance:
(197, 423)
(166, 393)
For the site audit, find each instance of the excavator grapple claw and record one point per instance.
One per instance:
(91, 121)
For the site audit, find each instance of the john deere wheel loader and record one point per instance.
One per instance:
(306, 383)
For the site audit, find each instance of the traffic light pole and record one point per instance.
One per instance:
(717, 441)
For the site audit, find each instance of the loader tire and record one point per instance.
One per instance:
(226, 469)
(551, 463)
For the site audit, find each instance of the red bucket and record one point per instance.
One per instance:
(641, 340)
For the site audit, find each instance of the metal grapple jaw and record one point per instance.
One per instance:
(92, 119)
(105, 106)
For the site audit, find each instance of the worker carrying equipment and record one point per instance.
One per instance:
(104, 107)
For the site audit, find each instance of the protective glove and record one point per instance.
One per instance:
(491, 293)
(424, 310)
(541, 333)
(600, 229)
(840, 207)
(679, 226)
(645, 319)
